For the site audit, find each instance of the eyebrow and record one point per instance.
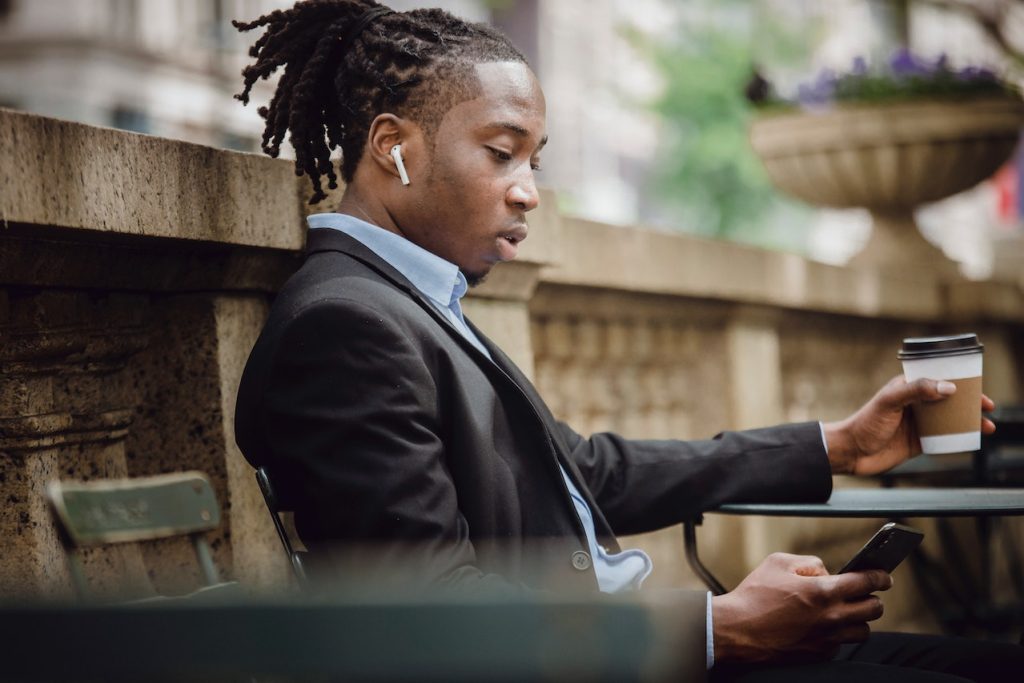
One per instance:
(518, 130)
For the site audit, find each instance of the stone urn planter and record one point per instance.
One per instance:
(889, 158)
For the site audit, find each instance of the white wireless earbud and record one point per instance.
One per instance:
(396, 154)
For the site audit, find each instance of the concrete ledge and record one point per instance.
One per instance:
(68, 175)
(637, 260)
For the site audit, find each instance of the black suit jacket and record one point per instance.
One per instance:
(393, 430)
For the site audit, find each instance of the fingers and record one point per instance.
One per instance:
(987, 405)
(899, 393)
(931, 390)
(853, 633)
(868, 609)
(858, 584)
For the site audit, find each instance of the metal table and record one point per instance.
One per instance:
(887, 503)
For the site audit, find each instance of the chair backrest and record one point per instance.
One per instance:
(277, 508)
(127, 510)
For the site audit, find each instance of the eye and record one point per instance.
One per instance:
(500, 154)
(536, 166)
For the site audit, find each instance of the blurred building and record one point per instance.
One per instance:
(165, 67)
(602, 139)
(170, 68)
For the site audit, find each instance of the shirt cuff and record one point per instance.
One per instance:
(711, 636)
(824, 441)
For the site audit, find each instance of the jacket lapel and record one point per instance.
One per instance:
(498, 365)
(601, 525)
(329, 239)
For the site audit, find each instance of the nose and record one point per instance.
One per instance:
(523, 194)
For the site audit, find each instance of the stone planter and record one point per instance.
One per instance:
(889, 158)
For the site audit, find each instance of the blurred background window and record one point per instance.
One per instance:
(646, 109)
(131, 119)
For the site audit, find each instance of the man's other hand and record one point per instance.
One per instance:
(790, 609)
(882, 434)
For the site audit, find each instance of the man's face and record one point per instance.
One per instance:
(478, 179)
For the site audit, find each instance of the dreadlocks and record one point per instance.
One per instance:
(338, 75)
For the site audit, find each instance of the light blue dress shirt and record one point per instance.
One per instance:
(444, 285)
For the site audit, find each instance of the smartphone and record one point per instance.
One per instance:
(887, 548)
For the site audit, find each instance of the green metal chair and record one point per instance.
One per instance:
(278, 507)
(90, 514)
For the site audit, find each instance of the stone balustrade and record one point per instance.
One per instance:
(135, 274)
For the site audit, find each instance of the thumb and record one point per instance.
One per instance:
(899, 394)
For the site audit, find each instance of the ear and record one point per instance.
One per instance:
(386, 131)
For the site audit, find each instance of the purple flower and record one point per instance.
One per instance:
(819, 93)
(905, 75)
(826, 79)
(975, 74)
(967, 74)
(805, 94)
(905, 64)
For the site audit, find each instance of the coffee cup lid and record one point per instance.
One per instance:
(934, 347)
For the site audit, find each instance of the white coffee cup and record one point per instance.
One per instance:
(953, 424)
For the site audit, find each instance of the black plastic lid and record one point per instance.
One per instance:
(935, 347)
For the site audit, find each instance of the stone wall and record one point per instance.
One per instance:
(135, 274)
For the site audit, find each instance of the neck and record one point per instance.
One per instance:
(367, 208)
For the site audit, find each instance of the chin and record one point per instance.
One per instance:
(474, 279)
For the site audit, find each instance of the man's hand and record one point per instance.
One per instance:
(791, 609)
(882, 434)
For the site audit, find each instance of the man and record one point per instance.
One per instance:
(393, 422)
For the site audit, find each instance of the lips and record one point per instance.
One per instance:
(508, 242)
(516, 235)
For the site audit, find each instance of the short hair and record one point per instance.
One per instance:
(415, 64)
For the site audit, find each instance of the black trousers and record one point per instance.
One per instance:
(896, 657)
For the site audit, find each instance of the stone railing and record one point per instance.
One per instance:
(660, 336)
(135, 274)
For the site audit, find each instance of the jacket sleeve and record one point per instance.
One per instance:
(643, 485)
(350, 407)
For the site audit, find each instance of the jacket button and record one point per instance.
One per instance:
(581, 561)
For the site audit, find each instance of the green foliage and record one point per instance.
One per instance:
(709, 166)
(943, 86)
(497, 5)
(707, 174)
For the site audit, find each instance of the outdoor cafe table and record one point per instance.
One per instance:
(886, 503)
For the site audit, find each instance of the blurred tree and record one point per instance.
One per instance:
(497, 5)
(706, 176)
(997, 18)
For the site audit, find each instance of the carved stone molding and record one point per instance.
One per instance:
(34, 432)
(60, 384)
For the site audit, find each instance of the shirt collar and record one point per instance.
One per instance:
(438, 279)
